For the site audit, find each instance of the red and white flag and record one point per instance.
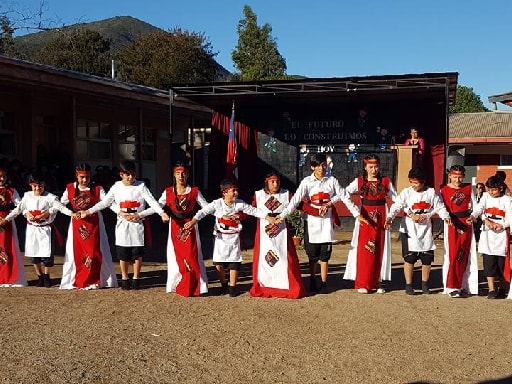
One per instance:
(231, 166)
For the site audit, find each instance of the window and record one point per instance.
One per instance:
(93, 140)
(505, 160)
(128, 143)
(7, 135)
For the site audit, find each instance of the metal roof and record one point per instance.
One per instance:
(261, 94)
(481, 126)
(504, 98)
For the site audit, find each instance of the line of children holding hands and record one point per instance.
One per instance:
(88, 263)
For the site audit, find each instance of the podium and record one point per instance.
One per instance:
(405, 160)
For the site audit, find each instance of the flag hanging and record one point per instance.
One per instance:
(231, 166)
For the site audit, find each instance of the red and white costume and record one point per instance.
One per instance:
(88, 261)
(186, 273)
(369, 258)
(315, 193)
(427, 203)
(276, 268)
(12, 272)
(132, 199)
(498, 210)
(39, 233)
(227, 232)
(460, 268)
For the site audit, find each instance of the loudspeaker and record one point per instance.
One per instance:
(455, 156)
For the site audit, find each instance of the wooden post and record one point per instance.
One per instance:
(406, 159)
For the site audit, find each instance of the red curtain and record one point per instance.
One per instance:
(247, 154)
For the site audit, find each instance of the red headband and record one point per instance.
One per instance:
(371, 161)
(179, 168)
(228, 188)
(270, 178)
(456, 173)
(83, 173)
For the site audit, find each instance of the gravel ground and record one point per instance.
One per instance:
(148, 336)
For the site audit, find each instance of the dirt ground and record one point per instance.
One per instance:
(148, 336)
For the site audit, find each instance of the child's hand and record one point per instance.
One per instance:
(76, 216)
(2, 221)
(361, 219)
(470, 220)
(387, 224)
(190, 224)
(165, 217)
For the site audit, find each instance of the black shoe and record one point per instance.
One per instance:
(501, 293)
(233, 292)
(424, 288)
(409, 289)
(455, 294)
(125, 285)
(323, 288)
(492, 295)
(40, 281)
(46, 280)
(223, 288)
(136, 284)
(313, 286)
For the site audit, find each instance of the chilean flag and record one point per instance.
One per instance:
(231, 167)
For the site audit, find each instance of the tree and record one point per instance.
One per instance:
(256, 56)
(7, 46)
(467, 101)
(161, 59)
(80, 50)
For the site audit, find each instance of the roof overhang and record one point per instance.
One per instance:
(440, 87)
(504, 98)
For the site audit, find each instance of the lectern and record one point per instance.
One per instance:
(405, 159)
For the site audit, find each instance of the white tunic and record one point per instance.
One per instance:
(275, 276)
(491, 242)
(320, 228)
(129, 233)
(227, 240)
(420, 237)
(38, 234)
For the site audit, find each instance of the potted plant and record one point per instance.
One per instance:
(296, 226)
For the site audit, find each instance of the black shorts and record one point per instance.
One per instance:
(129, 253)
(230, 265)
(46, 261)
(316, 251)
(427, 257)
(493, 265)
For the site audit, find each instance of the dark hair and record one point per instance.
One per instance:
(365, 189)
(480, 185)
(495, 182)
(226, 184)
(457, 168)
(36, 177)
(127, 166)
(502, 175)
(416, 173)
(83, 167)
(317, 159)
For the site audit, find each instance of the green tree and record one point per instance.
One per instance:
(80, 50)
(467, 101)
(7, 46)
(256, 56)
(161, 58)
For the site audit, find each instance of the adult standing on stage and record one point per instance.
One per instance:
(415, 139)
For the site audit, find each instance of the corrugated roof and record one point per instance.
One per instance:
(480, 124)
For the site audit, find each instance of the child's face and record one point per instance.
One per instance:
(37, 188)
(83, 179)
(417, 185)
(3, 178)
(372, 169)
(128, 178)
(319, 170)
(494, 192)
(456, 180)
(230, 195)
(273, 185)
(181, 177)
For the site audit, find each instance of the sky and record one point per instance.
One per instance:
(338, 38)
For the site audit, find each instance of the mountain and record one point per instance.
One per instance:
(121, 30)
